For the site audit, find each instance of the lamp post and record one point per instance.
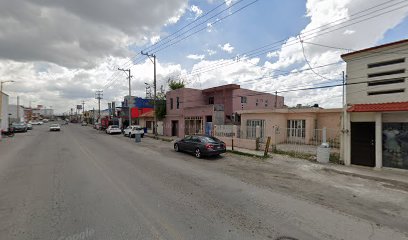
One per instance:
(1, 98)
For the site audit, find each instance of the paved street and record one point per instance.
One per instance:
(83, 184)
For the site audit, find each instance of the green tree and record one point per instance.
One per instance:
(176, 84)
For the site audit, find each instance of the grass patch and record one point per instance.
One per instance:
(307, 156)
(246, 154)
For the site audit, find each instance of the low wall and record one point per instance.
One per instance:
(239, 142)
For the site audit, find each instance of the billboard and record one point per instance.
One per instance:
(79, 107)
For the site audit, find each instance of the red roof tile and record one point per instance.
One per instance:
(379, 107)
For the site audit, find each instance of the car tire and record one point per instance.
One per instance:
(197, 153)
(142, 135)
(176, 147)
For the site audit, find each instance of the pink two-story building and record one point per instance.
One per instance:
(194, 111)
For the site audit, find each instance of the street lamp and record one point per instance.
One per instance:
(1, 98)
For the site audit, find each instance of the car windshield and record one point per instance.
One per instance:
(18, 124)
(114, 126)
(54, 125)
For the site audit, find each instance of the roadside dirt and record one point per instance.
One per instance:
(382, 202)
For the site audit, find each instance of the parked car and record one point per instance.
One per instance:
(113, 129)
(55, 127)
(19, 127)
(200, 145)
(29, 126)
(84, 124)
(45, 120)
(131, 131)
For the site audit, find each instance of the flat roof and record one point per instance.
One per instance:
(291, 110)
(222, 87)
(376, 47)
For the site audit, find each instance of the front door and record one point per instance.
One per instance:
(363, 143)
(174, 128)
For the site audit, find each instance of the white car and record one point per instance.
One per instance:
(55, 127)
(36, 123)
(112, 129)
(133, 130)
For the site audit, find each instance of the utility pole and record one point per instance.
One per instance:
(99, 95)
(18, 109)
(83, 109)
(130, 95)
(154, 90)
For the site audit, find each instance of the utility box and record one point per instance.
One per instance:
(323, 153)
(138, 137)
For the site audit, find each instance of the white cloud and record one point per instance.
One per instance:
(272, 54)
(196, 10)
(211, 52)
(196, 57)
(349, 32)
(226, 47)
(228, 2)
(154, 39)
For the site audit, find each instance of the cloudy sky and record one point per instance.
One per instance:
(60, 52)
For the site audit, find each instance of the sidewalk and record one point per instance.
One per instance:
(383, 174)
(246, 151)
(161, 137)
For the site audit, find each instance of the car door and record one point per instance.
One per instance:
(183, 143)
(195, 143)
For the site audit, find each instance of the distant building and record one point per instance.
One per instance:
(17, 113)
(138, 106)
(191, 111)
(376, 122)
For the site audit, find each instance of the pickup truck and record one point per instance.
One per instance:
(132, 130)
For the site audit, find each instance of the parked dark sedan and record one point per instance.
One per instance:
(19, 127)
(200, 145)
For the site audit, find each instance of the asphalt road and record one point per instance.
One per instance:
(82, 184)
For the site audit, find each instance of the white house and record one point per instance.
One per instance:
(4, 111)
(375, 131)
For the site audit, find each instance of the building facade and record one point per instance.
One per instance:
(375, 131)
(17, 113)
(194, 111)
(298, 125)
(4, 117)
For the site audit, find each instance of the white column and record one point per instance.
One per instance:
(378, 140)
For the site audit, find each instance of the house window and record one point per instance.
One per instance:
(379, 74)
(243, 99)
(211, 100)
(296, 128)
(386, 63)
(251, 128)
(178, 103)
(256, 104)
(171, 103)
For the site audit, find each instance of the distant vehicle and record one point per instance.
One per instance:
(36, 122)
(19, 127)
(84, 124)
(55, 127)
(29, 126)
(200, 145)
(113, 129)
(45, 120)
(131, 131)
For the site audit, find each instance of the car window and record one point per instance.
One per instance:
(188, 138)
(196, 139)
(210, 139)
(114, 126)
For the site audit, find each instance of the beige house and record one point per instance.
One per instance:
(297, 124)
(375, 131)
(146, 120)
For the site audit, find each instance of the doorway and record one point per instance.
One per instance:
(363, 143)
(174, 128)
